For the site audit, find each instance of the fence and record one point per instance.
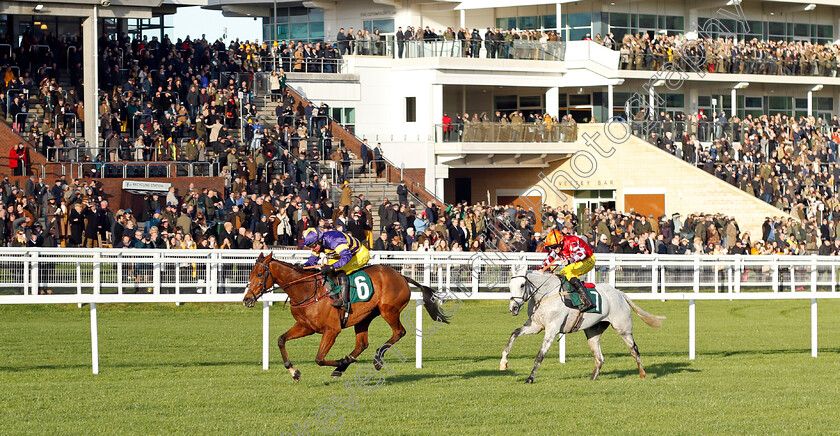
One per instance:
(182, 276)
(505, 132)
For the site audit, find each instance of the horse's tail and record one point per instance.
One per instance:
(654, 321)
(429, 302)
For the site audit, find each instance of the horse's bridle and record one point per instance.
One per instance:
(265, 289)
(527, 295)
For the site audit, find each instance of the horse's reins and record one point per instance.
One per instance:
(305, 301)
(536, 289)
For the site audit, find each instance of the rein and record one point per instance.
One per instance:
(528, 295)
(306, 301)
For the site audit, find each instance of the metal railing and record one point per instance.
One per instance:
(9, 98)
(65, 115)
(135, 169)
(505, 132)
(707, 131)
(725, 65)
(117, 276)
(118, 271)
(469, 48)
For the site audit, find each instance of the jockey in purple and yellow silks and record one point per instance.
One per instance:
(345, 254)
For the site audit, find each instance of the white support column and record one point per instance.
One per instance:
(810, 102)
(94, 339)
(436, 105)
(90, 65)
(462, 22)
(439, 187)
(692, 334)
(265, 336)
(734, 106)
(651, 101)
(610, 102)
(559, 11)
(552, 101)
(813, 327)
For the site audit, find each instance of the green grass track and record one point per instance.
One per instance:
(196, 369)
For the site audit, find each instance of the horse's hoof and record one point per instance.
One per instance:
(336, 374)
(377, 363)
(503, 366)
(530, 381)
(296, 376)
(642, 375)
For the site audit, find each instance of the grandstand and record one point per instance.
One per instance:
(479, 108)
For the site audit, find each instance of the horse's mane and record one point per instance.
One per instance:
(290, 265)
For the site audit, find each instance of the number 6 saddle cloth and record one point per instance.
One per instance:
(361, 288)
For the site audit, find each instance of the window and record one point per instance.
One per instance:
(298, 23)
(316, 29)
(384, 26)
(622, 24)
(753, 102)
(647, 21)
(529, 23)
(579, 100)
(770, 30)
(580, 20)
(530, 101)
(675, 101)
(299, 31)
(825, 103)
(506, 23)
(411, 109)
(549, 21)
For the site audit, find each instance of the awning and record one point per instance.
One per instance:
(488, 4)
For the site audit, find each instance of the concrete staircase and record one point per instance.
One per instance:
(392, 175)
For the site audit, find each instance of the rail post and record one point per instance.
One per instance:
(813, 327)
(692, 325)
(94, 339)
(696, 274)
(97, 282)
(156, 273)
(418, 335)
(33, 273)
(265, 336)
(561, 344)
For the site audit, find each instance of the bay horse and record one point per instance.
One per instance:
(313, 312)
(549, 313)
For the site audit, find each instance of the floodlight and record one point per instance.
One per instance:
(810, 7)
(38, 7)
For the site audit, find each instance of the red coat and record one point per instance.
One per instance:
(447, 123)
(574, 250)
(14, 156)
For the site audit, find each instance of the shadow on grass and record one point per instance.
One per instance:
(127, 365)
(657, 370)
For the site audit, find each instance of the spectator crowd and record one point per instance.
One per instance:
(187, 100)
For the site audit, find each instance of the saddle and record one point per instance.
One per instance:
(361, 290)
(572, 299)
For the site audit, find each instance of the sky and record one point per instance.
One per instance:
(194, 21)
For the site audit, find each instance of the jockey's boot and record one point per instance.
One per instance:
(344, 293)
(584, 296)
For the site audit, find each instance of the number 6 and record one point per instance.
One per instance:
(362, 289)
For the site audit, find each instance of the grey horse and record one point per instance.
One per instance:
(547, 311)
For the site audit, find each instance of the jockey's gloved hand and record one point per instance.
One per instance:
(299, 265)
(327, 270)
